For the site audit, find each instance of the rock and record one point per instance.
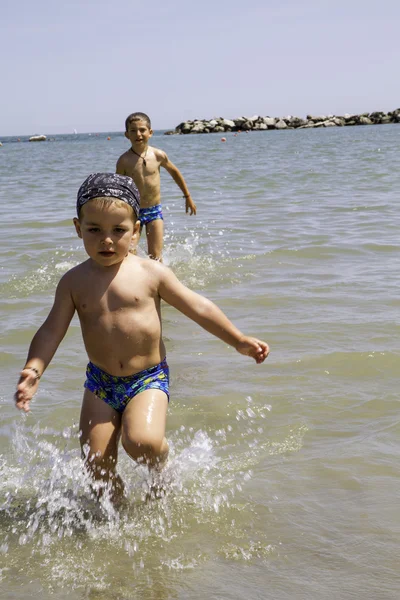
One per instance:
(257, 123)
(376, 115)
(198, 128)
(38, 138)
(297, 122)
(228, 123)
(247, 126)
(269, 121)
(316, 119)
(186, 127)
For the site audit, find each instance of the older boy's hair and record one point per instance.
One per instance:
(137, 116)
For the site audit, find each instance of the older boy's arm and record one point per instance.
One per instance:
(209, 316)
(120, 168)
(179, 180)
(44, 345)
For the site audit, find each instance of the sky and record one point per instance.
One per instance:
(87, 64)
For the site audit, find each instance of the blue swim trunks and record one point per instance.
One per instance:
(118, 391)
(147, 215)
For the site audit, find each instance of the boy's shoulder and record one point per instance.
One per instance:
(75, 274)
(153, 269)
(147, 274)
(160, 155)
(125, 156)
(138, 269)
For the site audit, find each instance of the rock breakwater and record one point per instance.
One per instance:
(257, 123)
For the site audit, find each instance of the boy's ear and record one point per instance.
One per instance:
(136, 231)
(77, 227)
(135, 236)
(151, 132)
(127, 135)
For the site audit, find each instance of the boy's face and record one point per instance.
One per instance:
(138, 134)
(108, 232)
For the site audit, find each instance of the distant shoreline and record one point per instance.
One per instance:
(257, 123)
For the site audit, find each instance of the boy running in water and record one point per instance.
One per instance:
(142, 162)
(117, 296)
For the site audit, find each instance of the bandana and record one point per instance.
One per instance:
(109, 185)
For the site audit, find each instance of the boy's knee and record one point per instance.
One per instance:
(146, 448)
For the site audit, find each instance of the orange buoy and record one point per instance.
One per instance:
(223, 139)
(109, 138)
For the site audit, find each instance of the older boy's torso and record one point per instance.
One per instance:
(146, 176)
(119, 312)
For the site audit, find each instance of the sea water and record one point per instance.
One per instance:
(283, 478)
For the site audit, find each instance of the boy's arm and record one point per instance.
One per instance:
(44, 345)
(179, 180)
(120, 168)
(209, 316)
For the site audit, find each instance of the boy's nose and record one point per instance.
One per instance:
(107, 240)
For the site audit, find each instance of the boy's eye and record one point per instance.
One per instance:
(120, 230)
(93, 229)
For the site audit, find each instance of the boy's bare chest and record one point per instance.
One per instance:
(95, 300)
(144, 169)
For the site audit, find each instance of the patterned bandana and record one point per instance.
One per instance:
(109, 185)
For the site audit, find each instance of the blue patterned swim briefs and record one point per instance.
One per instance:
(147, 215)
(118, 391)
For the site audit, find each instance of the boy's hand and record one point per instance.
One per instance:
(190, 205)
(257, 349)
(26, 389)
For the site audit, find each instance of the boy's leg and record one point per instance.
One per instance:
(155, 235)
(100, 427)
(143, 428)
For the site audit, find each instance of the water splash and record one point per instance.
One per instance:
(49, 515)
(42, 277)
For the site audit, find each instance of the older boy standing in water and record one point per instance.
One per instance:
(142, 162)
(117, 296)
